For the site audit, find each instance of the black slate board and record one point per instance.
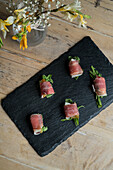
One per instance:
(25, 100)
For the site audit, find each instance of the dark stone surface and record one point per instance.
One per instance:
(25, 100)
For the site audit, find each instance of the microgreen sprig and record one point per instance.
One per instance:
(47, 78)
(49, 95)
(76, 78)
(98, 100)
(75, 58)
(44, 129)
(94, 72)
(69, 101)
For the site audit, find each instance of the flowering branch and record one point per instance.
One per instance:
(35, 14)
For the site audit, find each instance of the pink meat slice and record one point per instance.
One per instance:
(75, 68)
(100, 86)
(36, 121)
(71, 110)
(46, 88)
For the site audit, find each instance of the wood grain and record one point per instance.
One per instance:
(92, 146)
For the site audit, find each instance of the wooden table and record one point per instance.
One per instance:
(90, 148)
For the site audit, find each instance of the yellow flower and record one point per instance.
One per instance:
(19, 14)
(23, 42)
(71, 7)
(70, 11)
(70, 16)
(20, 10)
(82, 22)
(9, 21)
(14, 38)
(28, 28)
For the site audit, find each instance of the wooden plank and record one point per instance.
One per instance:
(91, 147)
(21, 59)
(9, 164)
(14, 74)
(101, 17)
(58, 40)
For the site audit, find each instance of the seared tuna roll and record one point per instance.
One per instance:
(74, 67)
(37, 124)
(71, 111)
(46, 86)
(99, 85)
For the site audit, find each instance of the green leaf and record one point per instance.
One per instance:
(98, 100)
(69, 57)
(43, 76)
(1, 43)
(76, 78)
(24, 29)
(80, 107)
(66, 119)
(76, 58)
(92, 76)
(69, 101)
(94, 72)
(76, 120)
(87, 16)
(84, 15)
(20, 38)
(44, 128)
(48, 78)
(49, 95)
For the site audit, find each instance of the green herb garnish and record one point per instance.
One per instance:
(1, 43)
(94, 72)
(49, 95)
(80, 107)
(75, 58)
(76, 120)
(93, 75)
(99, 103)
(76, 78)
(44, 129)
(47, 78)
(69, 101)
